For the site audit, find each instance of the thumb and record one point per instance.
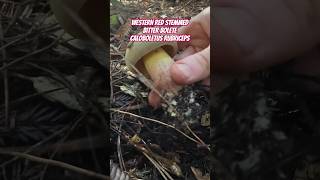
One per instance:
(192, 68)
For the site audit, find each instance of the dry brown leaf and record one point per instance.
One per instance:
(63, 96)
(198, 174)
(205, 120)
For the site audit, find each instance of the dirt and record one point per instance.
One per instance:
(190, 105)
(266, 129)
(172, 150)
(263, 127)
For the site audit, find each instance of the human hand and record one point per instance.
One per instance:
(252, 35)
(193, 64)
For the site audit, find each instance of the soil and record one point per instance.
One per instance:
(55, 106)
(265, 128)
(191, 105)
(174, 152)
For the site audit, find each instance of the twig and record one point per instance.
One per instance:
(116, 50)
(57, 164)
(95, 37)
(29, 32)
(24, 98)
(49, 138)
(163, 172)
(6, 97)
(133, 107)
(194, 134)
(145, 151)
(14, 19)
(184, 6)
(17, 40)
(93, 144)
(74, 125)
(4, 174)
(119, 152)
(80, 144)
(156, 121)
(36, 145)
(149, 84)
(31, 54)
(5, 78)
(84, 102)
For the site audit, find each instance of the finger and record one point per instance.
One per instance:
(154, 99)
(206, 82)
(198, 28)
(183, 44)
(202, 19)
(307, 65)
(192, 68)
(251, 35)
(199, 38)
(187, 52)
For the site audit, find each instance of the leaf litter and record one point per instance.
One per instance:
(52, 95)
(163, 151)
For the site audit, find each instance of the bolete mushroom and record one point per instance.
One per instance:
(84, 20)
(153, 60)
(90, 12)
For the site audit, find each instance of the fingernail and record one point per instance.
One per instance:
(185, 71)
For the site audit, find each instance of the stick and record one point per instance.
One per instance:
(156, 121)
(57, 164)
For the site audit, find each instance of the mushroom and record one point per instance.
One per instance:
(91, 12)
(153, 60)
(84, 20)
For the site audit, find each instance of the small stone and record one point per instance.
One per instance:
(170, 95)
(163, 16)
(144, 94)
(174, 103)
(191, 100)
(279, 135)
(261, 123)
(188, 113)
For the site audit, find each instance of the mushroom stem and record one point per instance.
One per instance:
(158, 64)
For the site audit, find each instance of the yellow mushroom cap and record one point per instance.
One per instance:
(136, 50)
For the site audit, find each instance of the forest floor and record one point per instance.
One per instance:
(54, 106)
(51, 94)
(171, 142)
(262, 127)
